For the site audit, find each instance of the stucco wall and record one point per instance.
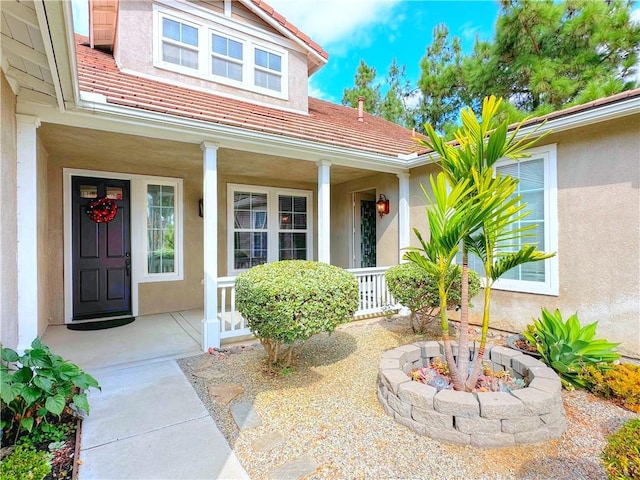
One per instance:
(134, 51)
(599, 235)
(153, 297)
(342, 223)
(43, 240)
(8, 218)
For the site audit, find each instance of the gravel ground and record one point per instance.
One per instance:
(327, 410)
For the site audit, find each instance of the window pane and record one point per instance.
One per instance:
(268, 60)
(189, 58)
(226, 69)
(235, 49)
(160, 228)
(275, 62)
(292, 246)
(250, 249)
(219, 44)
(189, 35)
(171, 53)
(171, 29)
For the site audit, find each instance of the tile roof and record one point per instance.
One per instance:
(265, 7)
(326, 123)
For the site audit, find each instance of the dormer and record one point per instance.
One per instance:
(241, 49)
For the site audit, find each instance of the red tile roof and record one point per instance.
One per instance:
(265, 7)
(326, 123)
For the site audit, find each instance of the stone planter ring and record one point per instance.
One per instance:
(483, 419)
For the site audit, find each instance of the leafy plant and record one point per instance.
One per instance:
(48, 432)
(26, 463)
(39, 384)
(287, 302)
(475, 210)
(621, 456)
(568, 348)
(618, 382)
(417, 289)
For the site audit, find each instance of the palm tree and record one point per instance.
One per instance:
(483, 215)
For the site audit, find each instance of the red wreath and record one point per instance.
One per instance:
(102, 210)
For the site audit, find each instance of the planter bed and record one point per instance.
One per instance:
(484, 419)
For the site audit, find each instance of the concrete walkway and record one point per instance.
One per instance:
(147, 422)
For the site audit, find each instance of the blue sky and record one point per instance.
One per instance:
(373, 30)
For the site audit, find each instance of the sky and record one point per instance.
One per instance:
(376, 31)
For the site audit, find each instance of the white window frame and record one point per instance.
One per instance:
(273, 221)
(206, 28)
(178, 273)
(267, 70)
(159, 16)
(242, 63)
(548, 153)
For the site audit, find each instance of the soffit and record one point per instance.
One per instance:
(25, 61)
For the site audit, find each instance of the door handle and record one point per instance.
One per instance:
(127, 264)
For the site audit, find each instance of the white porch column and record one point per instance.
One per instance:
(324, 211)
(27, 231)
(210, 322)
(404, 227)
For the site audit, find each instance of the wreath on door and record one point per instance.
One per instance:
(102, 210)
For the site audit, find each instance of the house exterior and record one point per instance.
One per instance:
(192, 122)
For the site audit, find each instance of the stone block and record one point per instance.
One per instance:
(394, 354)
(298, 468)
(407, 367)
(392, 379)
(522, 363)
(431, 419)
(504, 355)
(388, 363)
(542, 372)
(536, 402)
(419, 428)
(411, 353)
(404, 409)
(499, 405)
(450, 436)
(532, 436)
(553, 417)
(429, 349)
(557, 429)
(452, 402)
(553, 387)
(497, 440)
(417, 394)
(521, 424)
(454, 348)
(245, 416)
(385, 405)
(479, 425)
(382, 390)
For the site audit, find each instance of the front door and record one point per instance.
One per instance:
(101, 248)
(367, 233)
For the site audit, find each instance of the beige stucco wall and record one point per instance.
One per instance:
(134, 51)
(8, 218)
(599, 235)
(43, 239)
(342, 221)
(153, 297)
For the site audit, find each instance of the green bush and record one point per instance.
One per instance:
(621, 456)
(26, 463)
(37, 386)
(416, 289)
(287, 302)
(569, 348)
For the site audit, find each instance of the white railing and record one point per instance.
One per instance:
(373, 294)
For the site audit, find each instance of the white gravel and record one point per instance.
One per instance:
(327, 410)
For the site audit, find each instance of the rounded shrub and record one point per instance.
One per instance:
(621, 456)
(26, 463)
(416, 289)
(287, 302)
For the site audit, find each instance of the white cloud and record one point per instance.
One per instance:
(333, 23)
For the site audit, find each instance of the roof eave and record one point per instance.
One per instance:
(599, 114)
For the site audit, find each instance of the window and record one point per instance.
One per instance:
(179, 43)
(162, 244)
(266, 225)
(226, 57)
(537, 187)
(268, 70)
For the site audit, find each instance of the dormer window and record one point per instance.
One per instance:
(268, 70)
(226, 57)
(179, 43)
(209, 48)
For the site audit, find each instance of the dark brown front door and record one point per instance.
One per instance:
(101, 249)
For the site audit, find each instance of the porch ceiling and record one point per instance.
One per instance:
(126, 152)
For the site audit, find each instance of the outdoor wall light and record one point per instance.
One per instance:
(382, 205)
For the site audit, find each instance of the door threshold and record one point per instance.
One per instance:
(98, 319)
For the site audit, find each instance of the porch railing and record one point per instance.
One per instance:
(374, 298)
